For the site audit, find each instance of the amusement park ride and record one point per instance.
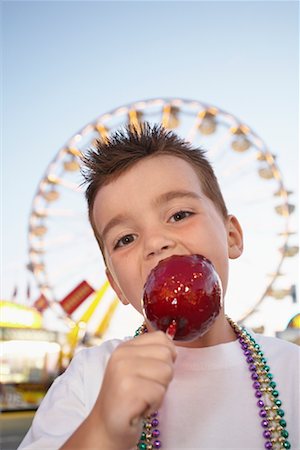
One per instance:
(63, 254)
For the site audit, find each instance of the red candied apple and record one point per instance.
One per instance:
(183, 296)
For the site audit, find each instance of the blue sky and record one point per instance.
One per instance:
(65, 63)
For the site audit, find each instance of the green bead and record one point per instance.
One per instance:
(284, 434)
(257, 347)
(266, 368)
(282, 422)
(270, 376)
(260, 354)
(263, 360)
(142, 446)
(272, 384)
(275, 393)
(280, 412)
(278, 402)
(286, 444)
(143, 436)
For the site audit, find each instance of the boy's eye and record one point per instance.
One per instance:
(180, 215)
(125, 240)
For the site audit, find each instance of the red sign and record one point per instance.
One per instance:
(76, 297)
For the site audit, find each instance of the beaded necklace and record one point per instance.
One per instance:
(270, 413)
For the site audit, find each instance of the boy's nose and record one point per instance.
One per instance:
(157, 245)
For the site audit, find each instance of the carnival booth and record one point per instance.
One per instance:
(30, 357)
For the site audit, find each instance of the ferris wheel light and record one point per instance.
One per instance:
(52, 179)
(262, 156)
(140, 105)
(88, 129)
(285, 209)
(121, 111)
(157, 102)
(77, 138)
(177, 102)
(240, 130)
(281, 192)
(73, 151)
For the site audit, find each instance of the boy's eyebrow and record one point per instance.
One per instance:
(117, 220)
(163, 198)
(171, 195)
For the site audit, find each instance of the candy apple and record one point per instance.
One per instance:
(183, 296)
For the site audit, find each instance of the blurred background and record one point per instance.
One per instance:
(223, 75)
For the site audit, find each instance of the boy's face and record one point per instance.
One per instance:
(154, 210)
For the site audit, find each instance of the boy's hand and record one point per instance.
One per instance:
(135, 382)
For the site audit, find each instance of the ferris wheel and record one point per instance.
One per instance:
(63, 251)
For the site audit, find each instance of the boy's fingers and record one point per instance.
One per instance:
(153, 338)
(153, 394)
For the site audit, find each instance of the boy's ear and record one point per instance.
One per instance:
(116, 288)
(234, 237)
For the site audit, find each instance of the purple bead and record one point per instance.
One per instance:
(249, 359)
(155, 414)
(263, 413)
(254, 376)
(241, 340)
(260, 403)
(268, 445)
(155, 433)
(156, 444)
(252, 367)
(258, 394)
(267, 434)
(264, 423)
(244, 346)
(256, 385)
(154, 422)
(247, 352)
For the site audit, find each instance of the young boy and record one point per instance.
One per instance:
(151, 195)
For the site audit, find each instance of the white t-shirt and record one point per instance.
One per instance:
(210, 403)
